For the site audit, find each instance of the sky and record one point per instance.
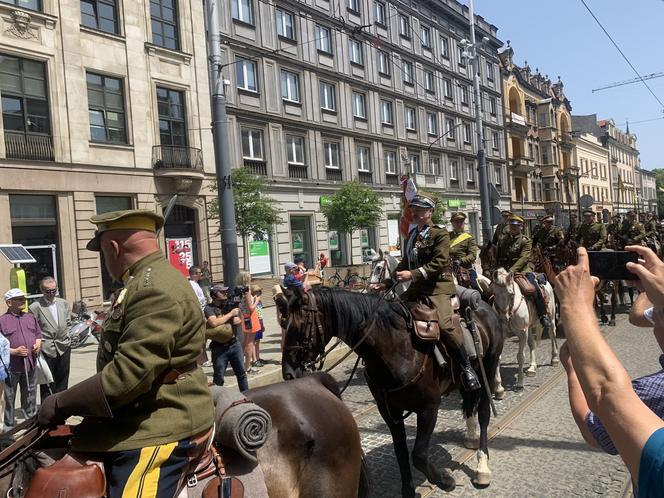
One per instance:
(562, 39)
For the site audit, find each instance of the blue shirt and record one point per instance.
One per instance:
(650, 389)
(651, 468)
(291, 281)
(4, 354)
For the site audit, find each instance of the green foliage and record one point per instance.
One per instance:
(659, 178)
(437, 217)
(352, 207)
(255, 213)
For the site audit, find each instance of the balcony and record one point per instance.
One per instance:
(28, 147)
(565, 139)
(256, 167)
(392, 179)
(365, 176)
(177, 161)
(516, 123)
(333, 174)
(300, 171)
(522, 165)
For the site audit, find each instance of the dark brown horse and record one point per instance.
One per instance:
(401, 372)
(313, 450)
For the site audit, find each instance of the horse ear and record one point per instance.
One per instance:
(510, 277)
(380, 253)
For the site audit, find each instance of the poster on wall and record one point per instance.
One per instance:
(259, 257)
(364, 238)
(393, 237)
(334, 240)
(180, 254)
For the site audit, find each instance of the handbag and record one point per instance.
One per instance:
(44, 375)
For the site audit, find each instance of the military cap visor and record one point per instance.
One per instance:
(515, 220)
(458, 217)
(547, 218)
(130, 219)
(588, 212)
(422, 201)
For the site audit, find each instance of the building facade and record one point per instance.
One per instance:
(648, 197)
(328, 91)
(105, 106)
(594, 180)
(539, 142)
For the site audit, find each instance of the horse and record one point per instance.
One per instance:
(400, 370)
(314, 447)
(519, 316)
(382, 267)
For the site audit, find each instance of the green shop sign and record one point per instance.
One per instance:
(325, 200)
(258, 248)
(456, 203)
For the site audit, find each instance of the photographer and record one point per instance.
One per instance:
(250, 322)
(225, 346)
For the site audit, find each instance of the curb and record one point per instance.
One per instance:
(271, 373)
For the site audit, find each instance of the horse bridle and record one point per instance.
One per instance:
(509, 311)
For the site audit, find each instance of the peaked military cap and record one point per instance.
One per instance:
(129, 219)
(422, 201)
(506, 212)
(547, 218)
(516, 220)
(458, 216)
(588, 211)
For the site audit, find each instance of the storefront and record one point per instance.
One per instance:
(301, 239)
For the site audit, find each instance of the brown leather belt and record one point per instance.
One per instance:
(169, 376)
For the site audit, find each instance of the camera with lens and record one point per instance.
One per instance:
(235, 297)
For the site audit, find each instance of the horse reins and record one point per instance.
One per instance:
(33, 434)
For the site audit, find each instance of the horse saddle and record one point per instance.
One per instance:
(423, 320)
(529, 290)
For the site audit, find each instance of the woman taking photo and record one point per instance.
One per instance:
(250, 322)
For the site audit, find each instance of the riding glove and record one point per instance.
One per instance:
(86, 399)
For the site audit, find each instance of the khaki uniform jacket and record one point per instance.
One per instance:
(465, 251)
(612, 228)
(55, 336)
(634, 233)
(650, 228)
(571, 232)
(155, 324)
(547, 238)
(501, 229)
(514, 253)
(592, 236)
(432, 272)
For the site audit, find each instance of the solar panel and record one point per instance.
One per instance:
(16, 253)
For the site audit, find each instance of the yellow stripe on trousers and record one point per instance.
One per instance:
(144, 479)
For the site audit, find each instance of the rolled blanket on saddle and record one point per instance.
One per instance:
(241, 425)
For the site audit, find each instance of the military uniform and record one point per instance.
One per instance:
(632, 232)
(463, 248)
(651, 227)
(548, 238)
(592, 236)
(514, 253)
(572, 232)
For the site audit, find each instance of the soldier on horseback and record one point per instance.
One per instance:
(592, 234)
(548, 236)
(572, 229)
(631, 231)
(427, 265)
(502, 227)
(613, 227)
(463, 248)
(514, 255)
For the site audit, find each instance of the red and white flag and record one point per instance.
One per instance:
(409, 190)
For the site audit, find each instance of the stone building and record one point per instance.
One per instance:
(105, 106)
(594, 180)
(324, 92)
(539, 141)
(648, 193)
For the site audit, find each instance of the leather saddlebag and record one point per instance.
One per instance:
(527, 289)
(68, 477)
(425, 322)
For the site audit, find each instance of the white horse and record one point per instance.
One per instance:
(519, 316)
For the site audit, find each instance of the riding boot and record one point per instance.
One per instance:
(468, 376)
(542, 311)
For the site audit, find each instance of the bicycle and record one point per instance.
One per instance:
(352, 280)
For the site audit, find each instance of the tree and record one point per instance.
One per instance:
(353, 207)
(255, 212)
(659, 179)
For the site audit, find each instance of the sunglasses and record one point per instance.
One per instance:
(50, 291)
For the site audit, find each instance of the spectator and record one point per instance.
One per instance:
(635, 431)
(300, 267)
(250, 323)
(194, 276)
(231, 350)
(291, 279)
(24, 335)
(206, 280)
(4, 374)
(257, 292)
(54, 317)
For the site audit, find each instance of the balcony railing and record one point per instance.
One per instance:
(28, 146)
(365, 176)
(298, 171)
(176, 157)
(333, 174)
(256, 167)
(392, 179)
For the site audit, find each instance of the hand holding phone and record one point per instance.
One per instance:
(612, 265)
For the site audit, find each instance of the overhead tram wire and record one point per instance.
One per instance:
(623, 54)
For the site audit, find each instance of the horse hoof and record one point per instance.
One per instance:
(555, 361)
(499, 394)
(531, 373)
(471, 443)
(482, 479)
(612, 323)
(518, 387)
(446, 483)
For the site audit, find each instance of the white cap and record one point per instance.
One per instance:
(12, 293)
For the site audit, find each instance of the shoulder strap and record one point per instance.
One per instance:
(464, 236)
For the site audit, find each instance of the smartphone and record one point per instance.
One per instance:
(611, 265)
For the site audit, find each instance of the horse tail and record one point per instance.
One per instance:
(328, 382)
(364, 484)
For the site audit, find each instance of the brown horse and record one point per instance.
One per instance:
(314, 448)
(401, 371)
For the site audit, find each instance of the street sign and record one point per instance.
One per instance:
(586, 201)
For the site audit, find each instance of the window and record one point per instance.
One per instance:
(462, 57)
(164, 16)
(444, 47)
(359, 105)
(434, 165)
(407, 69)
(24, 97)
(323, 39)
(404, 26)
(429, 84)
(414, 160)
(450, 128)
(432, 123)
(328, 96)
(252, 144)
(467, 133)
(489, 71)
(295, 152)
(290, 90)
(379, 8)
(245, 75)
(470, 172)
(26, 4)
(354, 6)
(410, 118)
(355, 49)
(106, 204)
(331, 155)
(100, 14)
(386, 112)
(464, 94)
(364, 159)
(495, 140)
(448, 89)
(426, 37)
(492, 106)
(498, 175)
(106, 109)
(454, 170)
(172, 117)
(285, 24)
(390, 162)
(384, 63)
(241, 10)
